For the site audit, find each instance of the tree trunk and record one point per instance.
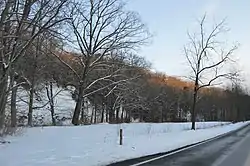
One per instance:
(193, 116)
(117, 115)
(13, 107)
(111, 115)
(126, 117)
(32, 89)
(4, 28)
(122, 115)
(82, 112)
(82, 117)
(51, 102)
(78, 107)
(95, 119)
(3, 98)
(13, 90)
(52, 106)
(107, 114)
(111, 110)
(102, 117)
(92, 116)
(31, 101)
(87, 109)
(129, 116)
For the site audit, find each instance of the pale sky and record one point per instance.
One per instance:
(169, 21)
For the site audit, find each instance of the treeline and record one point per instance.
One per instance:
(89, 48)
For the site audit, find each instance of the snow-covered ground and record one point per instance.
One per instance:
(98, 144)
(63, 103)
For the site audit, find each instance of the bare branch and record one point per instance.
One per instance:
(42, 106)
(224, 59)
(212, 80)
(114, 83)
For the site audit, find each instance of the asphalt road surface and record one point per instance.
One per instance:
(231, 150)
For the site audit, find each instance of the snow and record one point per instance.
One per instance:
(64, 106)
(63, 102)
(98, 144)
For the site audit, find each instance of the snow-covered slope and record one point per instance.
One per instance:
(98, 144)
(64, 106)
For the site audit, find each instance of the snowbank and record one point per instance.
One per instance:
(98, 144)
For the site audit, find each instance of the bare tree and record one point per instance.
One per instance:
(102, 28)
(208, 58)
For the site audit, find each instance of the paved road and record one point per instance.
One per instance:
(238, 156)
(232, 150)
